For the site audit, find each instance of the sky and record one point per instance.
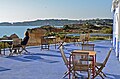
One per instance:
(29, 10)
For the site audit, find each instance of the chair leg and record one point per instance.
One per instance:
(0, 52)
(98, 73)
(73, 77)
(11, 54)
(66, 73)
(103, 74)
(88, 74)
(20, 52)
(23, 48)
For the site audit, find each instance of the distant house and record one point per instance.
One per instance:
(116, 26)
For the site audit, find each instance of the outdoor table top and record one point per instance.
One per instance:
(51, 37)
(6, 40)
(91, 53)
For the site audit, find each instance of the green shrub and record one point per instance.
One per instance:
(97, 38)
(2, 45)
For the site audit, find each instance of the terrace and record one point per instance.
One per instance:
(48, 64)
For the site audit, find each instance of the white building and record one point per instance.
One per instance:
(116, 26)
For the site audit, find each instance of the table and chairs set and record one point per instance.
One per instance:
(13, 46)
(4, 42)
(46, 41)
(84, 60)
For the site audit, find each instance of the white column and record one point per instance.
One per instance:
(116, 31)
(119, 30)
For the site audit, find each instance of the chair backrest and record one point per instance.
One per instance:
(88, 47)
(80, 61)
(82, 37)
(63, 56)
(16, 41)
(87, 37)
(25, 40)
(44, 40)
(61, 44)
(107, 57)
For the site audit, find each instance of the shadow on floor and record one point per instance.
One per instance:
(4, 69)
(46, 54)
(18, 58)
(113, 76)
(40, 59)
(98, 46)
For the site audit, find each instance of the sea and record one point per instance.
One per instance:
(19, 30)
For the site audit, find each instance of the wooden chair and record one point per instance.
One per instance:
(87, 37)
(88, 47)
(65, 61)
(15, 48)
(99, 66)
(61, 42)
(18, 47)
(80, 62)
(58, 40)
(44, 42)
(81, 39)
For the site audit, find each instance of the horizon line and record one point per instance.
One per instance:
(53, 19)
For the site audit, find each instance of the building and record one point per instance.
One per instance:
(116, 26)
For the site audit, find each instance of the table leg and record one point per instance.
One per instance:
(55, 43)
(93, 64)
(69, 66)
(0, 50)
(4, 48)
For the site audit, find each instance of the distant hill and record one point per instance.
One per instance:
(58, 22)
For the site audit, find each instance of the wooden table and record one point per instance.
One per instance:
(52, 38)
(5, 41)
(45, 41)
(91, 53)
